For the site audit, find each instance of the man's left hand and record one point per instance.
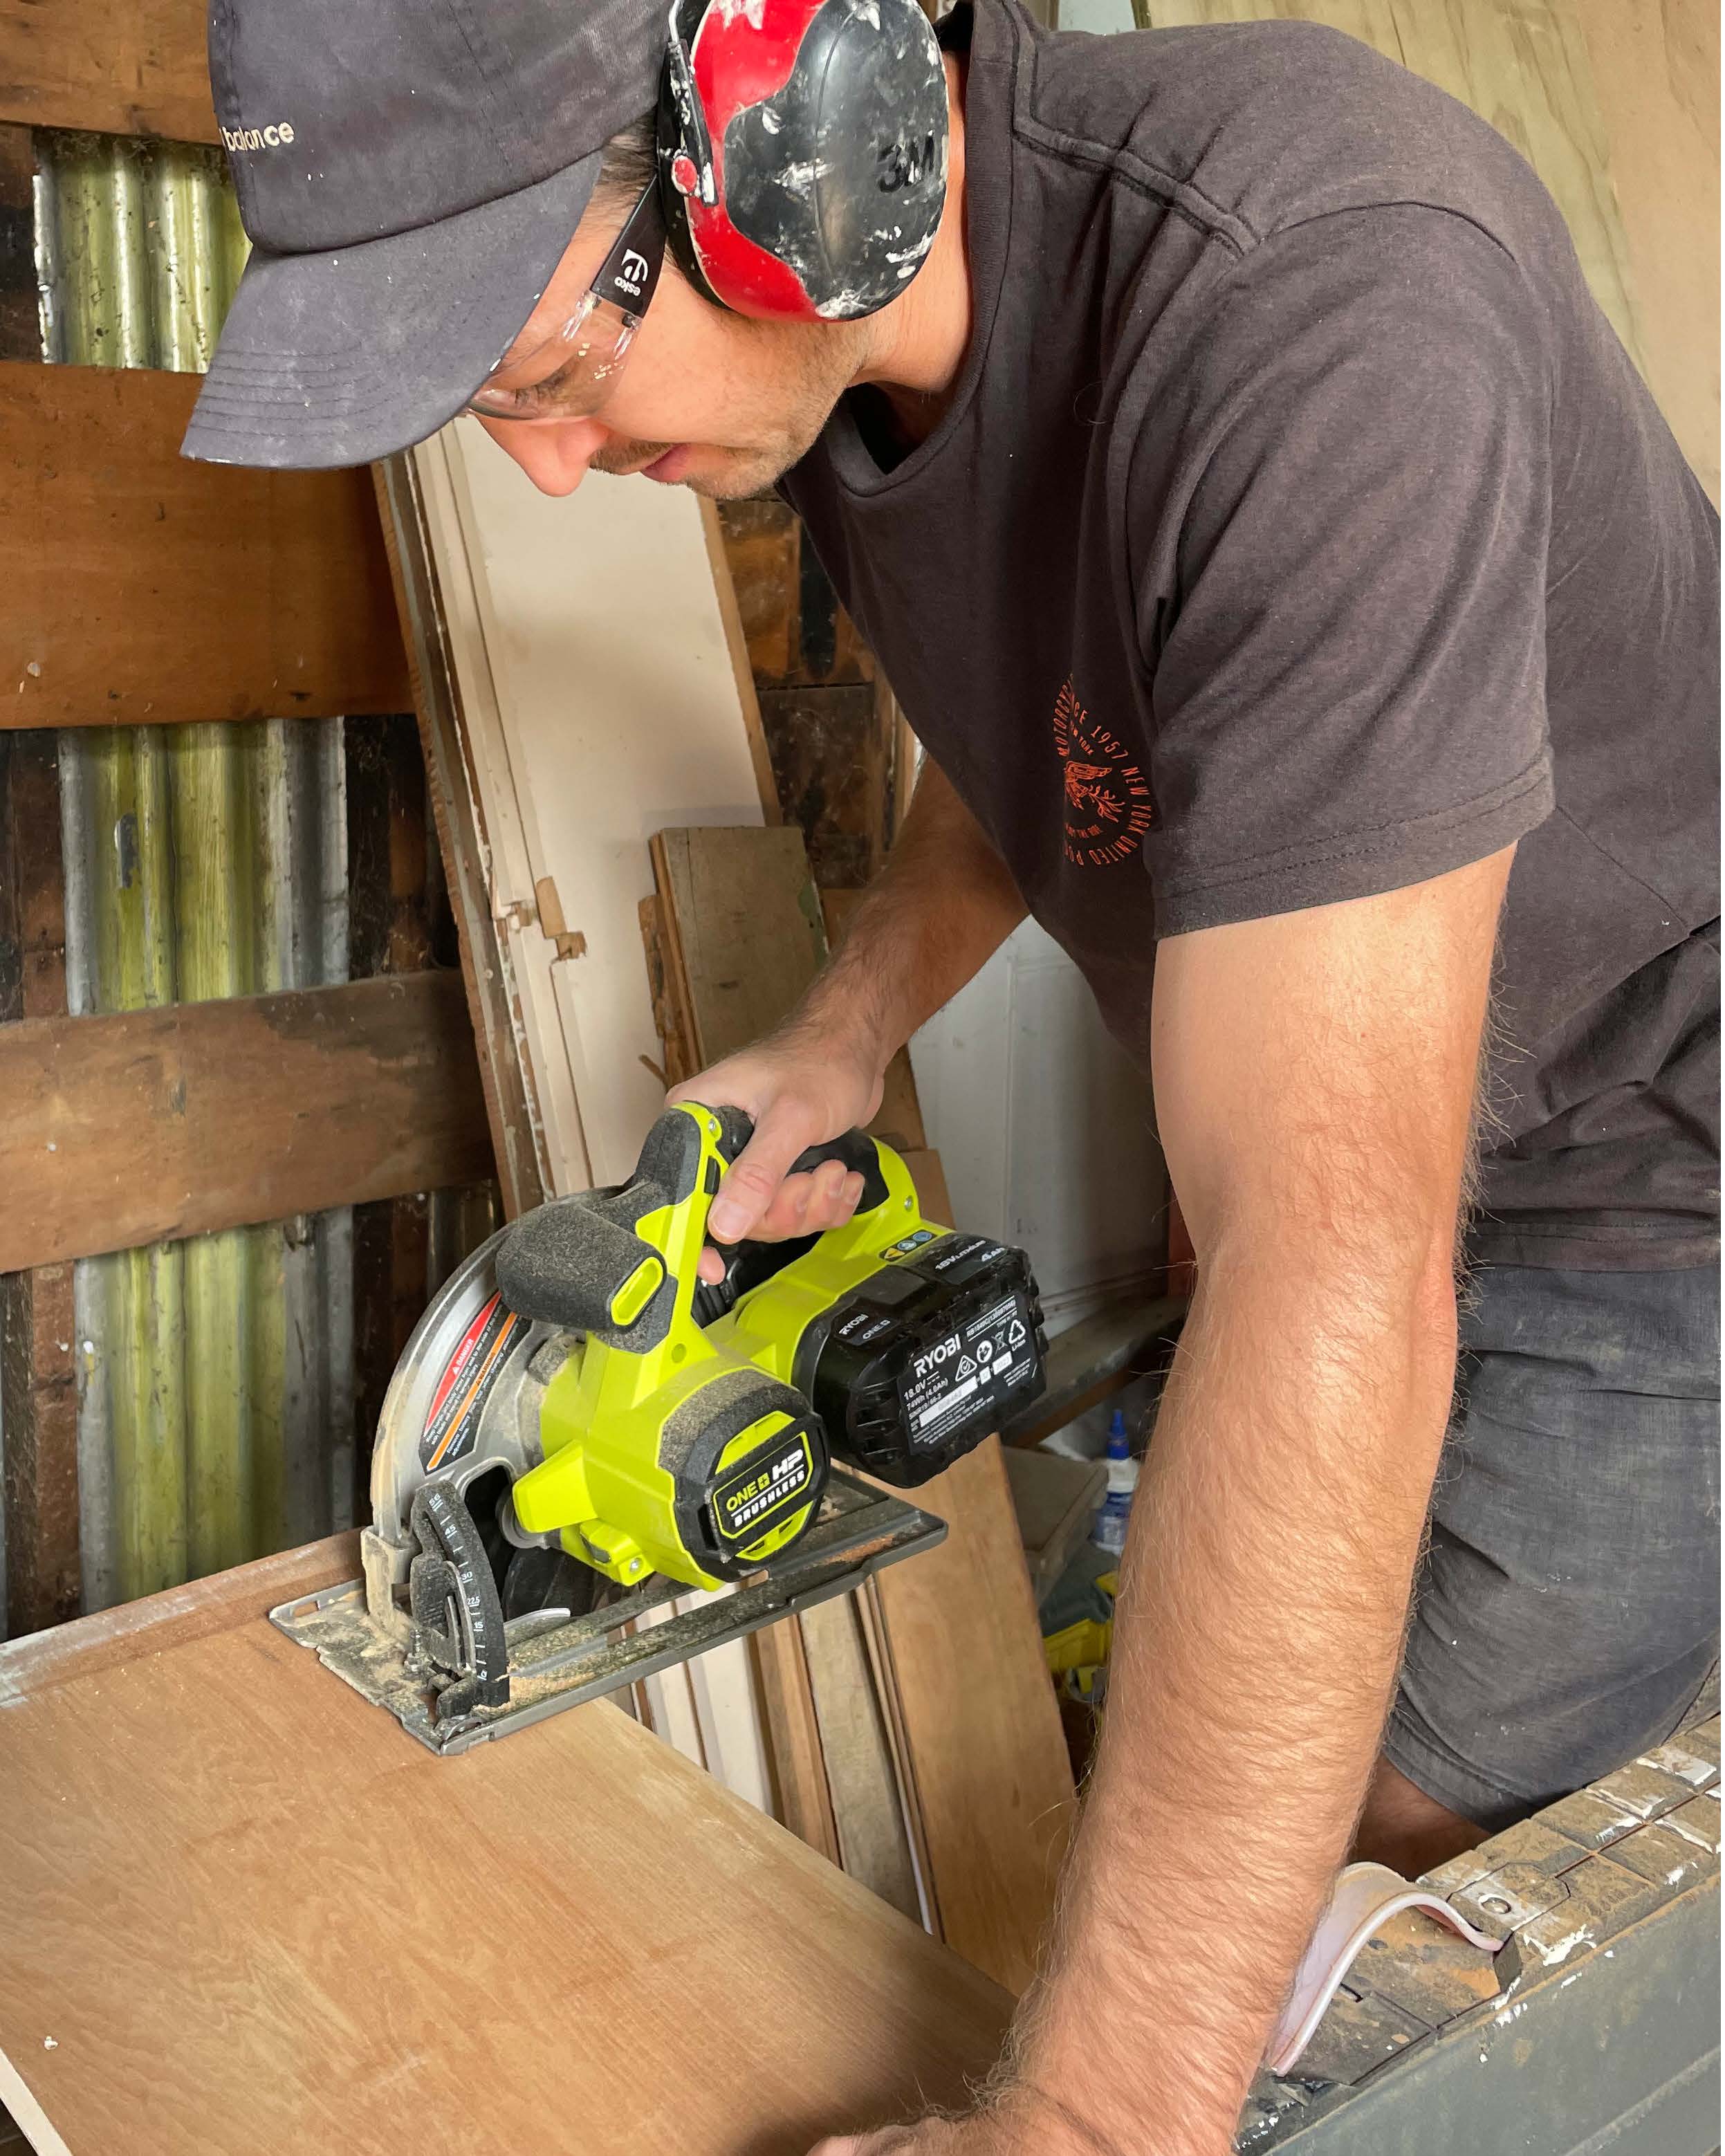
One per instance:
(1020, 2123)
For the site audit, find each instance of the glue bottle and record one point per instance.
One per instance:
(1110, 1530)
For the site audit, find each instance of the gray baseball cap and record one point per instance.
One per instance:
(410, 172)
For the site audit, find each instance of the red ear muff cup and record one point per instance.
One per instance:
(829, 127)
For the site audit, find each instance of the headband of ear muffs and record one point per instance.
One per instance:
(803, 153)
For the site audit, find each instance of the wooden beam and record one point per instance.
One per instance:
(138, 69)
(145, 1125)
(38, 1382)
(137, 587)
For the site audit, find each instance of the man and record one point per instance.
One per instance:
(1311, 620)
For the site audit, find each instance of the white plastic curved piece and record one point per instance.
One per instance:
(1367, 1896)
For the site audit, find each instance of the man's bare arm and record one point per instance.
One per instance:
(1314, 1080)
(930, 919)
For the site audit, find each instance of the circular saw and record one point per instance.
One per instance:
(579, 1426)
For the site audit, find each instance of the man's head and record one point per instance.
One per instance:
(706, 399)
(437, 207)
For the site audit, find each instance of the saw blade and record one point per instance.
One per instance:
(464, 1397)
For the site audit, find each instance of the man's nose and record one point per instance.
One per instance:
(555, 453)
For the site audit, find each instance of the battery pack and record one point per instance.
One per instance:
(924, 1359)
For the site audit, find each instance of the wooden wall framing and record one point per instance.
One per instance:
(144, 1125)
(138, 587)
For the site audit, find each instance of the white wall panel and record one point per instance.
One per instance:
(1043, 1125)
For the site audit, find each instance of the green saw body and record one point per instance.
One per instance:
(699, 1450)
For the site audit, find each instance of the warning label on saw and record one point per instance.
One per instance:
(453, 1423)
(971, 1373)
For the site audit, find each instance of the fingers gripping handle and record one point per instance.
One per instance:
(856, 1149)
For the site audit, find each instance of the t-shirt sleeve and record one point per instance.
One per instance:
(1346, 633)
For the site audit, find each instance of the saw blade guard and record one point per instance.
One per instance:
(465, 1399)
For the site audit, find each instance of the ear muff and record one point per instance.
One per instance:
(803, 153)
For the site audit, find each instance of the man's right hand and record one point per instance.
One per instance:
(800, 1087)
(944, 901)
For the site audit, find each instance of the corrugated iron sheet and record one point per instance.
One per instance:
(202, 860)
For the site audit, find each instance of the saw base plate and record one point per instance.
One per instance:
(557, 1662)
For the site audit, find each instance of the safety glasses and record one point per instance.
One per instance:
(587, 351)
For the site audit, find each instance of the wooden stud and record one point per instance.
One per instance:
(738, 645)
(20, 323)
(37, 1365)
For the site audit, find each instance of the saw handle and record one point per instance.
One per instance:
(581, 1262)
(856, 1149)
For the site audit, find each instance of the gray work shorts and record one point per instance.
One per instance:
(1566, 1613)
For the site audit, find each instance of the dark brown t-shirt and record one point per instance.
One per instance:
(1299, 530)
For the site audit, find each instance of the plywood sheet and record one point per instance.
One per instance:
(244, 1911)
(138, 1126)
(137, 587)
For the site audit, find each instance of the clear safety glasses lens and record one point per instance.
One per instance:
(588, 349)
(596, 340)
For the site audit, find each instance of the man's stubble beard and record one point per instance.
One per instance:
(804, 394)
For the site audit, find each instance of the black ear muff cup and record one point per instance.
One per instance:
(842, 174)
(819, 202)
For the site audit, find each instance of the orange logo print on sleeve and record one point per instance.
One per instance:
(1108, 806)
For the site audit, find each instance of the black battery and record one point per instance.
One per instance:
(920, 1364)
